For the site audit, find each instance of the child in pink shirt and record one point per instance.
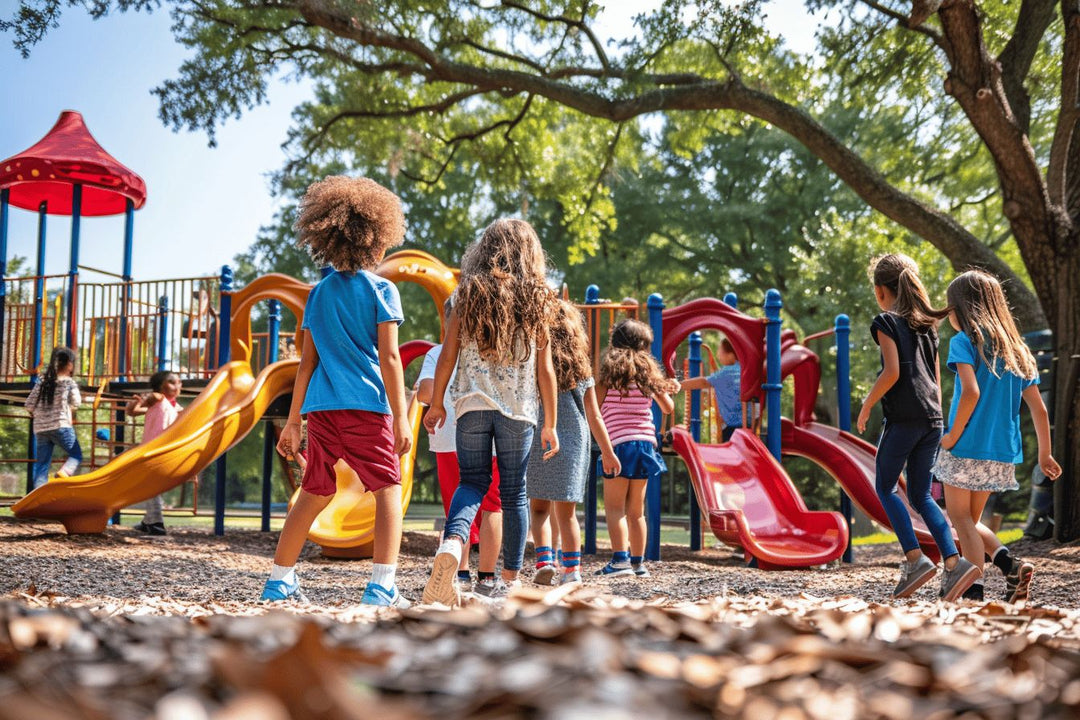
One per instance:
(161, 410)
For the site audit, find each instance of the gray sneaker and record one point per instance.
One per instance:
(496, 589)
(546, 575)
(571, 578)
(913, 576)
(954, 582)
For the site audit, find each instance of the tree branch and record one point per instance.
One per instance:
(1032, 21)
(579, 25)
(903, 21)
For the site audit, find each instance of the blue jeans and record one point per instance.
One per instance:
(915, 445)
(45, 441)
(513, 441)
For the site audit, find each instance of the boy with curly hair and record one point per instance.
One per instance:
(350, 383)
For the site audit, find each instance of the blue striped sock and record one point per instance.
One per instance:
(543, 555)
(571, 561)
(620, 556)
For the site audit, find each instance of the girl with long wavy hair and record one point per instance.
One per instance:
(52, 403)
(994, 371)
(497, 337)
(558, 485)
(630, 381)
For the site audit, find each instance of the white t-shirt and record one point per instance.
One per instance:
(444, 439)
(508, 389)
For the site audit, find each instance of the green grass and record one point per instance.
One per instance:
(1006, 536)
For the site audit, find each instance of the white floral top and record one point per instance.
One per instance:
(482, 385)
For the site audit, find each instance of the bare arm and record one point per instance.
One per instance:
(969, 398)
(611, 464)
(695, 383)
(139, 404)
(436, 413)
(424, 390)
(393, 376)
(289, 442)
(1042, 431)
(890, 373)
(664, 402)
(545, 382)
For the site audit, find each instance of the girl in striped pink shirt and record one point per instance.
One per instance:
(629, 382)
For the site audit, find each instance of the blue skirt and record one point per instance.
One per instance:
(639, 459)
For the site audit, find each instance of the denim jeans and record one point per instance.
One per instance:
(65, 438)
(513, 441)
(915, 445)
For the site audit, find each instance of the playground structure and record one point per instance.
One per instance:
(201, 328)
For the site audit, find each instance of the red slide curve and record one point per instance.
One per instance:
(850, 461)
(751, 503)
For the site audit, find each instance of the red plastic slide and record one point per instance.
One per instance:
(751, 503)
(850, 461)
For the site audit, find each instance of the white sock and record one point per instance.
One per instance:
(278, 572)
(383, 575)
(451, 545)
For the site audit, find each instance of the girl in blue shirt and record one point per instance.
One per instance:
(994, 370)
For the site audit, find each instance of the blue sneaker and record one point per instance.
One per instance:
(613, 569)
(281, 590)
(380, 596)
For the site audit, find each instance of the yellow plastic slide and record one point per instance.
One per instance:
(222, 414)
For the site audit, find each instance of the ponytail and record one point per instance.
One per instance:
(900, 274)
(61, 357)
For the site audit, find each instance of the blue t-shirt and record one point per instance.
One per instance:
(993, 432)
(726, 384)
(343, 313)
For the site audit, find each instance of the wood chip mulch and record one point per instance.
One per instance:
(122, 626)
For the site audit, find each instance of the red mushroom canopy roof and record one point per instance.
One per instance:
(66, 156)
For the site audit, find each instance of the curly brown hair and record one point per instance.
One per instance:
(569, 347)
(627, 362)
(349, 223)
(502, 298)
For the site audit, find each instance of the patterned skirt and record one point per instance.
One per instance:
(972, 474)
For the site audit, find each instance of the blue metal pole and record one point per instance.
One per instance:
(39, 289)
(773, 382)
(35, 336)
(73, 266)
(163, 332)
(843, 408)
(695, 431)
(592, 297)
(268, 431)
(4, 196)
(732, 299)
(224, 332)
(125, 292)
(652, 490)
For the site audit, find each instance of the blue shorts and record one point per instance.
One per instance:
(639, 459)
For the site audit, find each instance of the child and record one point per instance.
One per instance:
(630, 380)
(559, 483)
(910, 393)
(497, 338)
(52, 403)
(350, 382)
(161, 410)
(487, 527)
(726, 384)
(994, 370)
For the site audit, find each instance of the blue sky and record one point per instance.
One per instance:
(204, 204)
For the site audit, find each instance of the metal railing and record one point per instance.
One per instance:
(33, 323)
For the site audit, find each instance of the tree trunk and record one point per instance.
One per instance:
(1067, 399)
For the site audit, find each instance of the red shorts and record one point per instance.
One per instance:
(449, 477)
(364, 440)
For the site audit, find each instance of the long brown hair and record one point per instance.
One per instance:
(569, 347)
(60, 359)
(983, 315)
(627, 361)
(900, 274)
(502, 298)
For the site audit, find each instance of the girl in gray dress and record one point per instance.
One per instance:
(558, 484)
